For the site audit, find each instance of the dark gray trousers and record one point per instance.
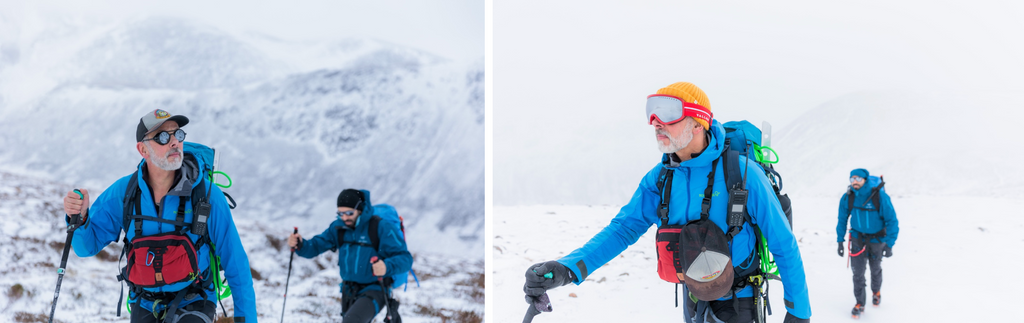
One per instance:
(191, 313)
(717, 311)
(363, 308)
(872, 255)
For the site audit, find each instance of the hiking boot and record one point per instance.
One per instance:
(857, 310)
(876, 298)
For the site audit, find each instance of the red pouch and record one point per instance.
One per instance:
(162, 259)
(670, 267)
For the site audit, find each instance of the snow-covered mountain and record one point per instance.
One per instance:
(294, 122)
(450, 288)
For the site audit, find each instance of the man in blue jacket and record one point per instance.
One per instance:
(873, 231)
(362, 295)
(162, 226)
(692, 142)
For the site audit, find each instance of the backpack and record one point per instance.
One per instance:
(878, 185)
(171, 257)
(385, 212)
(741, 137)
(875, 198)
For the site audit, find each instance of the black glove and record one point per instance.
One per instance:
(537, 284)
(840, 249)
(887, 251)
(793, 319)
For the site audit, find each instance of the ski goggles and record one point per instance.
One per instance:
(855, 179)
(164, 137)
(670, 109)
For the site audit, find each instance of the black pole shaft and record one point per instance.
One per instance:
(63, 262)
(387, 305)
(530, 313)
(289, 278)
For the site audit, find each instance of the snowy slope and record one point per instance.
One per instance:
(33, 236)
(944, 256)
(296, 122)
(926, 144)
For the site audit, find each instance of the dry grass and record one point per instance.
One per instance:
(275, 242)
(25, 317)
(447, 315)
(16, 292)
(255, 274)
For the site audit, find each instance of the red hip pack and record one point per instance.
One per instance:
(162, 259)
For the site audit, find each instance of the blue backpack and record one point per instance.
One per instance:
(877, 184)
(387, 213)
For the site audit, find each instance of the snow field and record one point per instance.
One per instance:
(945, 265)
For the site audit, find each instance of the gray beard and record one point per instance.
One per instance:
(162, 162)
(674, 144)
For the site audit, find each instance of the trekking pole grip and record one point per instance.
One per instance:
(296, 242)
(374, 260)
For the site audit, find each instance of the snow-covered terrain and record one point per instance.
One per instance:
(946, 256)
(34, 236)
(294, 124)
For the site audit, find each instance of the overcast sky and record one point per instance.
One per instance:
(449, 28)
(570, 78)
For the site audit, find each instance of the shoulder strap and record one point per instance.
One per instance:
(374, 239)
(132, 201)
(372, 230)
(849, 202)
(735, 183)
(665, 190)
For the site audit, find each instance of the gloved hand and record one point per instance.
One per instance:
(840, 249)
(887, 251)
(537, 284)
(793, 319)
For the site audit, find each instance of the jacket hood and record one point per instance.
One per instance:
(716, 142)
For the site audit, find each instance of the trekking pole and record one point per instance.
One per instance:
(289, 278)
(64, 258)
(540, 304)
(387, 305)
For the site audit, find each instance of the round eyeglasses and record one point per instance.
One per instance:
(164, 137)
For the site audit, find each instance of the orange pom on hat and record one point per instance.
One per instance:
(689, 93)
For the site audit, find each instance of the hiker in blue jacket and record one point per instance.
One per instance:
(167, 178)
(692, 143)
(873, 231)
(362, 296)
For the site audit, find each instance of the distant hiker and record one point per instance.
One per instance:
(173, 218)
(712, 257)
(357, 243)
(873, 231)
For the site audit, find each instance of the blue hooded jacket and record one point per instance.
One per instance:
(688, 184)
(353, 259)
(104, 224)
(868, 221)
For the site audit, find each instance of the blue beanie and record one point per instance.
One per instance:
(863, 173)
